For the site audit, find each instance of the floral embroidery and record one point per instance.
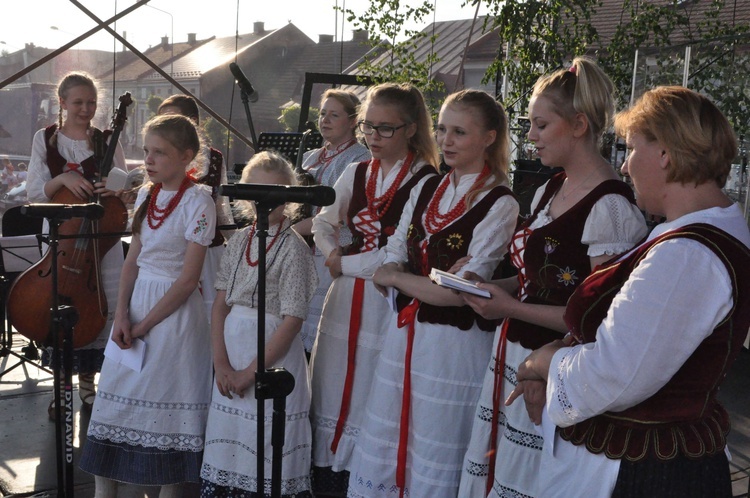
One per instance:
(202, 224)
(550, 245)
(389, 230)
(411, 232)
(567, 276)
(455, 241)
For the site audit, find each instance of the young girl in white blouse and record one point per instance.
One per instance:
(229, 463)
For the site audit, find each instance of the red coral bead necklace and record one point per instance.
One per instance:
(156, 215)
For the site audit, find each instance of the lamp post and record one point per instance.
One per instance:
(171, 43)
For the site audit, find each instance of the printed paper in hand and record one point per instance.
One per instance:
(131, 358)
(451, 281)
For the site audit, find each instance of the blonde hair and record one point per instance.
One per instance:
(179, 131)
(492, 117)
(72, 80)
(347, 99)
(700, 140)
(583, 88)
(268, 162)
(409, 102)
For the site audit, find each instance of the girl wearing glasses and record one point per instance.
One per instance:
(338, 125)
(370, 196)
(429, 375)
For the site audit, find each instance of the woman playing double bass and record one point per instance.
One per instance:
(62, 157)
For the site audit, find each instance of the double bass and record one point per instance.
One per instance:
(83, 243)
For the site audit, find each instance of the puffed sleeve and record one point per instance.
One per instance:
(327, 222)
(613, 226)
(298, 279)
(491, 237)
(235, 246)
(38, 172)
(650, 330)
(201, 217)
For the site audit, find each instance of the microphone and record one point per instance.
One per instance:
(92, 211)
(317, 195)
(244, 83)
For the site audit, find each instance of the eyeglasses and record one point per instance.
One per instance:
(384, 131)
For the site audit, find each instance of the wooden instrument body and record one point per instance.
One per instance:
(82, 245)
(79, 277)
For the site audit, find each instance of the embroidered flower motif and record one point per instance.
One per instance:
(411, 231)
(202, 224)
(550, 245)
(389, 230)
(455, 241)
(567, 276)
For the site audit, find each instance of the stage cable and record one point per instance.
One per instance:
(234, 87)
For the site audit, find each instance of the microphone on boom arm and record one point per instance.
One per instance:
(317, 195)
(92, 211)
(243, 82)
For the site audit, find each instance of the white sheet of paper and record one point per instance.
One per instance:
(391, 297)
(131, 358)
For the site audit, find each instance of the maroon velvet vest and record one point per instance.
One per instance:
(443, 250)
(56, 162)
(555, 260)
(391, 218)
(212, 178)
(684, 416)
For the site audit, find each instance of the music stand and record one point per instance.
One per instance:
(16, 255)
(286, 144)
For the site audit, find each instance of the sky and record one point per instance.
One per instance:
(53, 23)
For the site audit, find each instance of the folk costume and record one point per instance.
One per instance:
(229, 463)
(352, 326)
(552, 257)
(325, 167)
(639, 415)
(147, 427)
(429, 375)
(48, 161)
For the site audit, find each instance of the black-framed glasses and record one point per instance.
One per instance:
(384, 131)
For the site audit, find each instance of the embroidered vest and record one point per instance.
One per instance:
(390, 220)
(212, 178)
(56, 162)
(554, 259)
(443, 250)
(684, 416)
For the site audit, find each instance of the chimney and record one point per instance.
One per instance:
(258, 28)
(325, 38)
(164, 41)
(191, 38)
(360, 35)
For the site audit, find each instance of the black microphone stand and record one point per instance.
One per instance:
(274, 383)
(65, 317)
(246, 103)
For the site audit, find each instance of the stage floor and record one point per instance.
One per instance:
(28, 463)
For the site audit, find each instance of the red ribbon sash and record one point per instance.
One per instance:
(355, 319)
(406, 316)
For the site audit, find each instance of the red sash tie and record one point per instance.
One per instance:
(497, 390)
(75, 167)
(355, 319)
(406, 316)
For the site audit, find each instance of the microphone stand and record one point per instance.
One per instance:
(246, 104)
(274, 383)
(65, 317)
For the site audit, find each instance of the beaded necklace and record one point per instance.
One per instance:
(378, 206)
(156, 215)
(325, 157)
(434, 221)
(248, 257)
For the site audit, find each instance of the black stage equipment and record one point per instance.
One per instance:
(243, 82)
(92, 211)
(317, 195)
(272, 383)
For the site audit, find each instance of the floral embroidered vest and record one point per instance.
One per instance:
(212, 178)
(554, 261)
(56, 162)
(443, 250)
(392, 216)
(684, 416)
